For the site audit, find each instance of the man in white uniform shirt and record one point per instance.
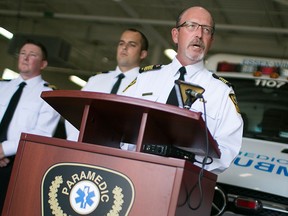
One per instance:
(193, 36)
(32, 114)
(132, 49)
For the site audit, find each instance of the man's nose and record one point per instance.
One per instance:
(199, 31)
(125, 46)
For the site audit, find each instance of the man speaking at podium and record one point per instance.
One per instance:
(193, 36)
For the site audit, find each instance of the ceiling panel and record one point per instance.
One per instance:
(93, 27)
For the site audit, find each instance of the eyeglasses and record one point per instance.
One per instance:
(193, 26)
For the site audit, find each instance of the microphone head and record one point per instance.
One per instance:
(187, 93)
(190, 92)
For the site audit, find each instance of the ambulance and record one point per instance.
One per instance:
(256, 183)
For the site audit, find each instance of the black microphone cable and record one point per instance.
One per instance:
(204, 162)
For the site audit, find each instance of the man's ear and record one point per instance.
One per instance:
(174, 33)
(143, 54)
(44, 64)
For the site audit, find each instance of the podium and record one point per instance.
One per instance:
(94, 177)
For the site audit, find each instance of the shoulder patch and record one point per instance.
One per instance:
(234, 100)
(50, 86)
(150, 67)
(222, 79)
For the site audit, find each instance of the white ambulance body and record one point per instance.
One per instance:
(256, 183)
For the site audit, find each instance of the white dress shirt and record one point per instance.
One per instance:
(32, 115)
(224, 122)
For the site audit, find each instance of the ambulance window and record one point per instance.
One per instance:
(264, 108)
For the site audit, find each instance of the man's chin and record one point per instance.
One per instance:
(197, 57)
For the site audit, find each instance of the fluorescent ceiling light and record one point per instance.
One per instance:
(9, 74)
(6, 33)
(170, 53)
(77, 80)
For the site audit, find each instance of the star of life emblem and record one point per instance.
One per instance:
(84, 197)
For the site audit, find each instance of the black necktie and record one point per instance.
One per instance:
(172, 99)
(117, 84)
(10, 111)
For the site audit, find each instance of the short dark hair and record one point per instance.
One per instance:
(39, 44)
(144, 40)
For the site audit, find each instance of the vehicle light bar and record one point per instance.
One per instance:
(257, 70)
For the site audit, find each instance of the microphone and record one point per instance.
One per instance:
(190, 92)
(187, 93)
(191, 97)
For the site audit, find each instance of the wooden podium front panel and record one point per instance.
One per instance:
(159, 182)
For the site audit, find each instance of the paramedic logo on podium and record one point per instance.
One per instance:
(81, 189)
(84, 197)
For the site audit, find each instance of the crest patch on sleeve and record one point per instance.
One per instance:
(234, 100)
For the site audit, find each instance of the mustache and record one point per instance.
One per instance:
(197, 42)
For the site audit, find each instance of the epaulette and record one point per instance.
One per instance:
(222, 79)
(101, 72)
(5, 80)
(150, 67)
(50, 86)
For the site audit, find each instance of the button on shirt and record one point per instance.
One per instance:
(32, 115)
(224, 122)
(103, 83)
